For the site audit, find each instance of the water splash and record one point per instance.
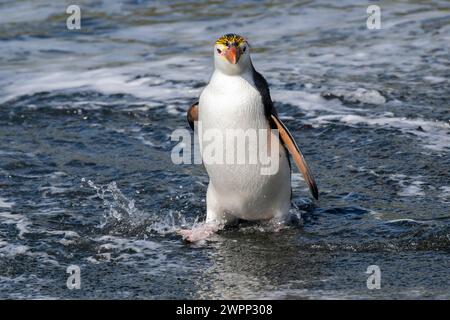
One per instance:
(118, 207)
(122, 216)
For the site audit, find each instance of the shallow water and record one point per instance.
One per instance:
(85, 171)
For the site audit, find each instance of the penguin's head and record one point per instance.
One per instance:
(232, 54)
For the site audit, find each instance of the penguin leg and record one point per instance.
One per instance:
(216, 219)
(278, 223)
(281, 216)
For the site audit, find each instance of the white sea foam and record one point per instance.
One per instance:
(360, 95)
(445, 193)
(53, 190)
(298, 181)
(6, 204)
(311, 103)
(434, 133)
(9, 249)
(410, 187)
(164, 80)
(412, 190)
(408, 220)
(125, 250)
(117, 243)
(445, 190)
(433, 79)
(19, 221)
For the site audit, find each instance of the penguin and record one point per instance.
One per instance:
(238, 97)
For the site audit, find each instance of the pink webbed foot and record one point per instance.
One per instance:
(198, 233)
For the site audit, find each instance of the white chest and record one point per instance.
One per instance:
(231, 102)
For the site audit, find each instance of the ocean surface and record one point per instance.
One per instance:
(86, 176)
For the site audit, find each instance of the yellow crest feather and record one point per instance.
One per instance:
(231, 38)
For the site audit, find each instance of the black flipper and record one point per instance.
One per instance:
(192, 115)
(285, 136)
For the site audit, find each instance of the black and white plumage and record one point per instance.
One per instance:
(238, 97)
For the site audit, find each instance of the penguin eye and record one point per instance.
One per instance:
(219, 51)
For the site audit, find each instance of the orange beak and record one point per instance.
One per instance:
(233, 54)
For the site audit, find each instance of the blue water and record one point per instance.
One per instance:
(86, 177)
